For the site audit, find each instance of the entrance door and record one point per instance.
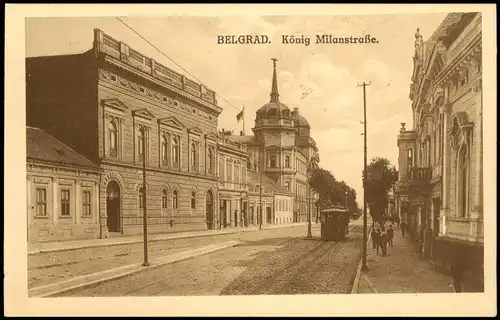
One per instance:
(252, 215)
(113, 206)
(222, 214)
(210, 210)
(269, 215)
(437, 209)
(245, 214)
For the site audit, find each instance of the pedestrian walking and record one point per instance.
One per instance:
(390, 233)
(402, 226)
(384, 239)
(378, 242)
(458, 271)
(374, 235)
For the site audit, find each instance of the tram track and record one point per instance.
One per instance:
(163, 279)
(278, 282)
(283, 279)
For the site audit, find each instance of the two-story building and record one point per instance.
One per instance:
(233, 193)
(119, 108)
(440, 187)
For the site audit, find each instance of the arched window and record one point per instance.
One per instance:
(113, 138)
(463, 181)
(140, 141)
(164, 149)
(175, 200)
(141, 197)
(193, 200)
(164, 199)
(193, 155)
(210, 160)
(175, 151)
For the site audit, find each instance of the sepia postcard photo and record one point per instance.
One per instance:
(301, 160)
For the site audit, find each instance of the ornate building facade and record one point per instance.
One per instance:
(440, 187)
(120, 108)
(282, 149)
(127, 114)
(233, 190)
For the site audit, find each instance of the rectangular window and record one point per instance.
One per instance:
(87, 203)
(287, 185)
(41, 202)
(65, 203)
(287, 161)
(236, 174)
(273, 161)
(229, 172)
(221, 169)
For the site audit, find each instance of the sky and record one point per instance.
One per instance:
(241, 74)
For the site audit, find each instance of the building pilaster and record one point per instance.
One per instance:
(477, 207)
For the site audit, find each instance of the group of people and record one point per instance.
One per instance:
(382, 239)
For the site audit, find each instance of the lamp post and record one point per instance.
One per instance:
(346, 199)
(309, 176)
(309, 231)
(145, 217)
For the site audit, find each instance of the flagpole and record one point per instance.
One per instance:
(244, 120)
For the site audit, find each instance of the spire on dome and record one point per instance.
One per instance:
(274, 89)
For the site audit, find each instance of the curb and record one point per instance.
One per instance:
(35, 252)
(355, 284)
(81, 282)
(125, 242)
(274, 228)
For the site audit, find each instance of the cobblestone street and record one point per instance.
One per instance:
(280, 261)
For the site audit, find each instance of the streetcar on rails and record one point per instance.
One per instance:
(334, 223)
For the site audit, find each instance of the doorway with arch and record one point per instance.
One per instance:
(210, 210)
(113, 205)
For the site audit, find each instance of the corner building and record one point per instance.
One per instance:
(282, 148)
(118, 108)
(440, 188)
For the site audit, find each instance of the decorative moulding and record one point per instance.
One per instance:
(172, 122)
(41, 180)
(143, 113)
(114, 104)
(87, 184)
(195, 131)
(211, 136)
(66, 182)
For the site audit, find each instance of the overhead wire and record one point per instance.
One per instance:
(173, 61)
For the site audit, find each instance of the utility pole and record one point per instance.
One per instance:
(144, 214)
(364, 267)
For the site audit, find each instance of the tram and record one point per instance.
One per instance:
(334, 223)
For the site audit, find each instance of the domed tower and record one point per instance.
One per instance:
(275, 132)
(303, 127)
(303, 139)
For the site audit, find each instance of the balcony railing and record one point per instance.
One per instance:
(421, 174)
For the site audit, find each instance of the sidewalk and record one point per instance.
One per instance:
(36, 248)
(401, 271)
(85, 280)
